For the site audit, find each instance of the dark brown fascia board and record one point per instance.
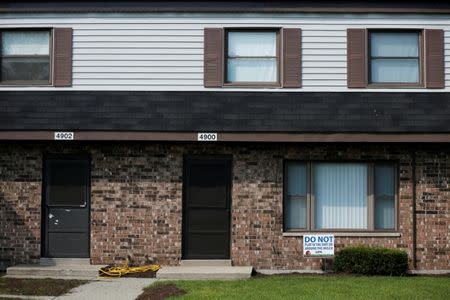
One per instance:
(228, 10)
(232, 137)
(317, 6)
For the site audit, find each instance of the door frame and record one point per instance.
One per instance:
(186, 159)
(52, 156)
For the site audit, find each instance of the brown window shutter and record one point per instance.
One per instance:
(434, 58)
(356, 58)
(292, 52)
(213, 57)
(62, 61)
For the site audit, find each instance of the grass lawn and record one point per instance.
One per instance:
(37, 287)
(316, 287)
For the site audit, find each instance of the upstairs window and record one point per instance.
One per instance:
(25, 57)
(394, 57)
(252, 57)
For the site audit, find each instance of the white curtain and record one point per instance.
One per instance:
(384, 197)
(395, 70)
(252, 70)
(251, 57)
(252, 44)
(394, 44)
(25, 43)
(340, 195)
(296, 196)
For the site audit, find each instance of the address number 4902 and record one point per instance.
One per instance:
(64, 136)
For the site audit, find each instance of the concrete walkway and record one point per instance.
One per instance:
(113, 289)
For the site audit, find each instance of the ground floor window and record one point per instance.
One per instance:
(340, 196)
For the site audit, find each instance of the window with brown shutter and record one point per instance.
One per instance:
(395, 58)
(36, 56)
(252, 57)
(62, 75)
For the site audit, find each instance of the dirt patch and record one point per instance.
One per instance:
(37, 287)
(148, 274)
(161, 292)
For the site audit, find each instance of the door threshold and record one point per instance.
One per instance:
(56, 261)
(205, 262)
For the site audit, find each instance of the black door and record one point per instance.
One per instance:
(206, 208)
(66, 205)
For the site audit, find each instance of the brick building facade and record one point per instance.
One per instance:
(136, 201)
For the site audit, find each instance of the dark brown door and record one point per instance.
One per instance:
(66, 205)
(206, 208)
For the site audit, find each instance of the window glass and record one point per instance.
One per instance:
(252, 44)
(395, 70)
(340, 195)
(384, 197)
(67, 182)
(252, 57)
(394, 57)
(296, 205)
(26, 68)
(25, 57)
(296, 173)
(252, 70)
(25, 43)
(395, 44)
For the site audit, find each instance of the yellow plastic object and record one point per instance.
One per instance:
(120, 271)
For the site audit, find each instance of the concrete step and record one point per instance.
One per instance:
(206, 263)
(204, 272)
(54, 271)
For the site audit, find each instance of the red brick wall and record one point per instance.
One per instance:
(433, 209)
(20, 204)
(137, 201)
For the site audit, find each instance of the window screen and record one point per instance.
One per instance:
(252, 56)
(67, 183)
(296, 202)
(384, 196)
(394, 57)
(25, 57)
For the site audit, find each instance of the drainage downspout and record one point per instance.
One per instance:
(414, 221)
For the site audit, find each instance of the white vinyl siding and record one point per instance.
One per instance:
(164, 51)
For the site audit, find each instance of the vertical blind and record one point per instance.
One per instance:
(252, 57)
(296, 207)
(340, 191)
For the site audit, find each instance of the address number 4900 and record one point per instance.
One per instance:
(207, 136)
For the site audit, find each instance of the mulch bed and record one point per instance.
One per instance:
(37, 287)
(161, 292)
